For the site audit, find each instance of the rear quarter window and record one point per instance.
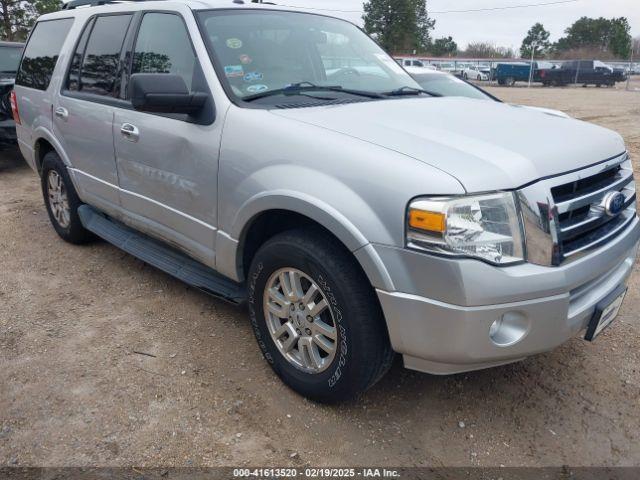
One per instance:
(42, 52)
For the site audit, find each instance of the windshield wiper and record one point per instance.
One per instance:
(406, 91)
(299, 88)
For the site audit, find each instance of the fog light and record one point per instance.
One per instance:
(509, 330)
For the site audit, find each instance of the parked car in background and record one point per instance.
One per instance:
(354, 214)
(447, 85)
(10, 54)
(474, 72)
(415, 63)
(509, 73)
(585, 72)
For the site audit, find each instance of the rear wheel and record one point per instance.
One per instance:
(316, 317)
(62, 201)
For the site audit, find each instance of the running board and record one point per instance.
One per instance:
(161, 256)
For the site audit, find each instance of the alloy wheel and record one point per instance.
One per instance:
(58, 199)
(300, 320)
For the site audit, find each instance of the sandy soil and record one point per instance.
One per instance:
(73, 392)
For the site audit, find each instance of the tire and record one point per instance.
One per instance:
(68, 226)
(362, 352)
(479, 78)
(510, 81)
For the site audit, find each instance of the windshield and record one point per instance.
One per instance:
(10, 59)
(258, 52)
(449, 86)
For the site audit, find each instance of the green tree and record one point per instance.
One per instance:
(536, 42)
(18, 16)
(606, 35)
(444, 46)
(399, 25)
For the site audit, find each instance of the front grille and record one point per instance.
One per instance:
(582, 220)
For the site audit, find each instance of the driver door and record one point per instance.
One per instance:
(167, 164)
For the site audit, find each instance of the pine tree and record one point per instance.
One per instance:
(399, 25)
(536, 41)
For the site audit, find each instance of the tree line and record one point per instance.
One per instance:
(404, 26)
(18, 16)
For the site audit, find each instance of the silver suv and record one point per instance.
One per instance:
(283, 160)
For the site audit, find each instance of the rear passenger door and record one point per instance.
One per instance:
(83, 113)
(168, 163)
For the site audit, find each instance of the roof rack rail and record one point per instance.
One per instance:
(95, 3)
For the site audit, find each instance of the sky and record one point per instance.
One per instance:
(504, 28)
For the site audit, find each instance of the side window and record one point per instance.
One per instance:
(41, 54)
(163, 46)
(101, 59)
(73, 81)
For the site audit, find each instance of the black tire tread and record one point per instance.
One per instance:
(375, 350)
(75, 233)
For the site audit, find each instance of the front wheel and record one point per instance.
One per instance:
(316, 317)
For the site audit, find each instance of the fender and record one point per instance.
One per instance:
(230, 244)
(43, 133)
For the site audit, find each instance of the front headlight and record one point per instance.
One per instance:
(487, 227)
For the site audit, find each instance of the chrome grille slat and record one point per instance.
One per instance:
(595, 218)
(582, 223)
(596, 196)
(605, 238)
(565, 216)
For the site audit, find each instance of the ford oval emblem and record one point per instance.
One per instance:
(614, 203)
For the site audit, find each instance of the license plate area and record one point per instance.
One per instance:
(606, 312)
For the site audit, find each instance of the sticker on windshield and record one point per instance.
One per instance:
(233, 71)
(234, 43)
(389, 62)
(245, 59)
(253, 77)
(257, 88)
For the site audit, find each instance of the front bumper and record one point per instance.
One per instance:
(440, 314)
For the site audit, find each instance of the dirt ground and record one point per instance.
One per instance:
(73, 392)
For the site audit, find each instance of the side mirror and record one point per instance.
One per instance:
(164, 93)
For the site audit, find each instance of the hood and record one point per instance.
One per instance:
(548, 111)
(485, 145)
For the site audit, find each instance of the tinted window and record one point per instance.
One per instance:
(73, 81)
(9, 59)
(100, 66)
(41, 54)
(163, 46)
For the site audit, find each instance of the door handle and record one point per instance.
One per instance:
(130, 132)
(62, 113)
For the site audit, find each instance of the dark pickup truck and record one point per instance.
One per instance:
(585, 72)
(10, 54)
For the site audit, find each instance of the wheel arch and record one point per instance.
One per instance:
(278, 213)
(44, 143)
